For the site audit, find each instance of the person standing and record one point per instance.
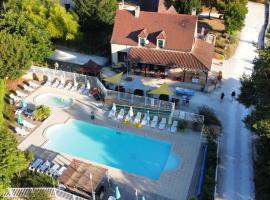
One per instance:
(222, 96)
(233, 95)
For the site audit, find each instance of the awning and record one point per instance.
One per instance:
(163, 89)
(114, 79)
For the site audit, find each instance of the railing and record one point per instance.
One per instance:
(187, 116)
(54, 192)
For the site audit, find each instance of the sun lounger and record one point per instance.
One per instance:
(82, 88)
(154, 122)
(27, 88)
(111, 113)
(121, 114)
(60, 171)
(14, 98)
(127, 118)
(61, 85)
(42, 168)
(32, 84)
(53, 169)
(55, 84)
(138, 117)
(162, 123)
(74, 87)
(35, 164)
(21, 131)
(144, 120)
(68, 86)
(86, 91)
(28, 125)
(174, 126)
(20, 94)
(48, 83)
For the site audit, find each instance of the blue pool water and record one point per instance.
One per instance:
(128, 152)
(53, 100)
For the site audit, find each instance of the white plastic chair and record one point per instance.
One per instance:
(162, 123)
(154, 122)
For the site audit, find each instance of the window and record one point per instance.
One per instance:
(160, 44)
(142, 41)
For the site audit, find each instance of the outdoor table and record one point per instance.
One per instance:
(184, 91)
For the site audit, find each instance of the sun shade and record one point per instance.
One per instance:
(114, 79)
(163, 89)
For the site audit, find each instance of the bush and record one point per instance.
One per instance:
(2, 102)
(39, 195)
(210, 117)
(42, 112)
(182, 125)
(128, 79)
(29, 178)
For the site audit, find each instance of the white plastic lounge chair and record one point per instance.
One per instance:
(44, 166)
(21, 131)
(14, 98)
(55, 84)
(174, 126)
(144, 120)
(162, 123)
(48, 83)
(27, 88)
(82, 88)
(121, 114)
(86, 91)
(61, 85)
(28, 125)
(60, 171)
(138, 117)
(35, 164)
(128, 118)
(53, 169)
(111, 113)
(32, 84)
(74, 87)
(20, 94)
(154, 122)
(68, 86)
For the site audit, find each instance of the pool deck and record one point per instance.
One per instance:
(171, 185)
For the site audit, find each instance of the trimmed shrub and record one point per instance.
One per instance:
(210, 117)
(2, 101)
(182, 125)
(42, 112)
(39, 195)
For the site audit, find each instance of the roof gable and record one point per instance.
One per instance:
(179, 29)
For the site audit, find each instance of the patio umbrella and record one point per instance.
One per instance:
(130, 112)
(88, 86)
(114, 79)
(163, 89)
(114, 107)
(24, 104)
(19, 119)
(117, 193)
(148, 117)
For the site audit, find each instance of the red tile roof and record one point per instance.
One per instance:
(188, 61)
(162, 35)
(179, 29)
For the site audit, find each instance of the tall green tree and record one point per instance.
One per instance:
(234, 15)
(14, 56)
(186, 6)
(12, 160)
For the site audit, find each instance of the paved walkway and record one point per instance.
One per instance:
(172, 185)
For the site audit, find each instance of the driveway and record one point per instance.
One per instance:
(235, 175)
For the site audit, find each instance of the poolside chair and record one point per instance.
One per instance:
(111, 113)
(144, 120)
(55, 84)
(20, 94)
(48, 83)
(162, 123)
(53, 169)
(14, 98)
(174, 126)
(21, 131)
(61, 85)
(27, 88)
(42, 168)
(28, 125)
(35, 164)
(32, 84)
(82, 88)
(60, 171)
(154, 122)
(86, 91)
(138, 117)
(68, 86)
(74, 87)
(121, 114)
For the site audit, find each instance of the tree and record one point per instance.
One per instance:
(106, 11)
(234, 16)
(186, 6)
(35, 34)
(39, 195)
(14, 56)
(12, 160)
(210, 4)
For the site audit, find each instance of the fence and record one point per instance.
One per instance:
(187, 116)
(54, 192)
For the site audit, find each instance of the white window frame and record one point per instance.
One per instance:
(139, 41)
(158, 43)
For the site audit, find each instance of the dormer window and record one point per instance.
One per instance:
(160, 43)
(142, 41)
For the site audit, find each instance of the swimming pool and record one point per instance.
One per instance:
(128, 152)
(53, 100)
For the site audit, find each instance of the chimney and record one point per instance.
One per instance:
(137, 11)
